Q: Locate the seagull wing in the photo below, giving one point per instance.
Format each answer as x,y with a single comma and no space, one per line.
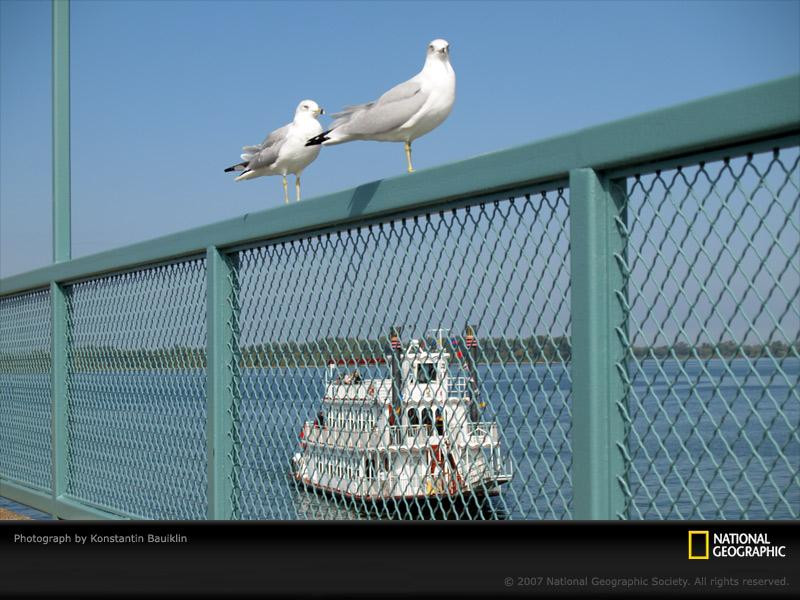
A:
401,91
266,152
264,158
389,112
276,136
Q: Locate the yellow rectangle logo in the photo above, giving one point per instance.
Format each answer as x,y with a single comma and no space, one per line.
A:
693,556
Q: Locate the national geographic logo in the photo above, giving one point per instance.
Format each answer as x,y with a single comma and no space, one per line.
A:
704,544
698,545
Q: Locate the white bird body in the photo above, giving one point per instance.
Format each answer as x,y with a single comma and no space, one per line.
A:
293,155
404,113
284,150
439,82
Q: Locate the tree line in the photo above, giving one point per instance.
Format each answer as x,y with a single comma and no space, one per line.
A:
532,349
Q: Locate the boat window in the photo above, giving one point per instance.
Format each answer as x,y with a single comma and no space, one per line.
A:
439,422
427,420
413,419
426,373
370,467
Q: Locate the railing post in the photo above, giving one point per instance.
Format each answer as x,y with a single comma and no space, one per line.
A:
58,387
222,383
62,243
598,249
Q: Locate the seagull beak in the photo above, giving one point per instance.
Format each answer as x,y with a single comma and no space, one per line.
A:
321,110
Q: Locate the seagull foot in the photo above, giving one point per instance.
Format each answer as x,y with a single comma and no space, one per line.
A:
408,157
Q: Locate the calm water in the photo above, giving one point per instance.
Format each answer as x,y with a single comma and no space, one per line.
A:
712,440
707,440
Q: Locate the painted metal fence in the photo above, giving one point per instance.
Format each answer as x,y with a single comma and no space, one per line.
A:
633,289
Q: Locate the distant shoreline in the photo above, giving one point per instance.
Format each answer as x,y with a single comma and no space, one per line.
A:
545,351
201,368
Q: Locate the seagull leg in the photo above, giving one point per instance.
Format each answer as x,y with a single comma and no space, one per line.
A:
408,157
297,187
285,190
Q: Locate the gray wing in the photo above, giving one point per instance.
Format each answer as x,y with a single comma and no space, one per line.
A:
401,91
267,151
264,158
273,138
276,136
389,112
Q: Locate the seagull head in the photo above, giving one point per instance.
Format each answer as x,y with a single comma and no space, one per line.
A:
439,49
309,108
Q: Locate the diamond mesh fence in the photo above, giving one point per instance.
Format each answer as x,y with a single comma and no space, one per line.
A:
419,367
714,346
136,392
329,426
25,389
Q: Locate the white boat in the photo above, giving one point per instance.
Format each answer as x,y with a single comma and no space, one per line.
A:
414,435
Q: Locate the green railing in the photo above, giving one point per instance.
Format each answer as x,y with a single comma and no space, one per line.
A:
633,288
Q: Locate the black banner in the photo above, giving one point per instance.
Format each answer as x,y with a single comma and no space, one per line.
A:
377,559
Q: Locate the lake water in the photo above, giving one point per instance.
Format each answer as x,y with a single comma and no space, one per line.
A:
712,439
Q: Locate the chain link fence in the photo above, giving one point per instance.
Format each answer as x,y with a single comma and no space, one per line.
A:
136,392
714,325
502,266
417,363
25,388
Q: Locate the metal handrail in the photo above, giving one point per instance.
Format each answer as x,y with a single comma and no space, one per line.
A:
765,116
770,109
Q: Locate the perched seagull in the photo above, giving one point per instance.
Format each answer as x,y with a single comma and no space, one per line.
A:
405,112
284,150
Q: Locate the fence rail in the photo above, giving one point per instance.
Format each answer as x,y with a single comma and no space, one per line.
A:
636,289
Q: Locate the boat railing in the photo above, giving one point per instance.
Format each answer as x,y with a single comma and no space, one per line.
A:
484,430
500,467
364,389
458,386
342,438
401,434
493,467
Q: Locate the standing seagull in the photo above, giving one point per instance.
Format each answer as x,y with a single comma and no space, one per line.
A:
284,150
405,112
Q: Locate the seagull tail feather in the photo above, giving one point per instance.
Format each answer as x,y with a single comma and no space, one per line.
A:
240,167
318,139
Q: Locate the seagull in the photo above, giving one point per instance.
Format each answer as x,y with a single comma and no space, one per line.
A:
284,150
404,113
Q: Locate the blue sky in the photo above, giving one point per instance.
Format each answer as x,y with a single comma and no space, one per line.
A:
165,93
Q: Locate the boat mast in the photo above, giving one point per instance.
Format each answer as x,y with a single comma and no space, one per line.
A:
439,338
472,369
397,357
